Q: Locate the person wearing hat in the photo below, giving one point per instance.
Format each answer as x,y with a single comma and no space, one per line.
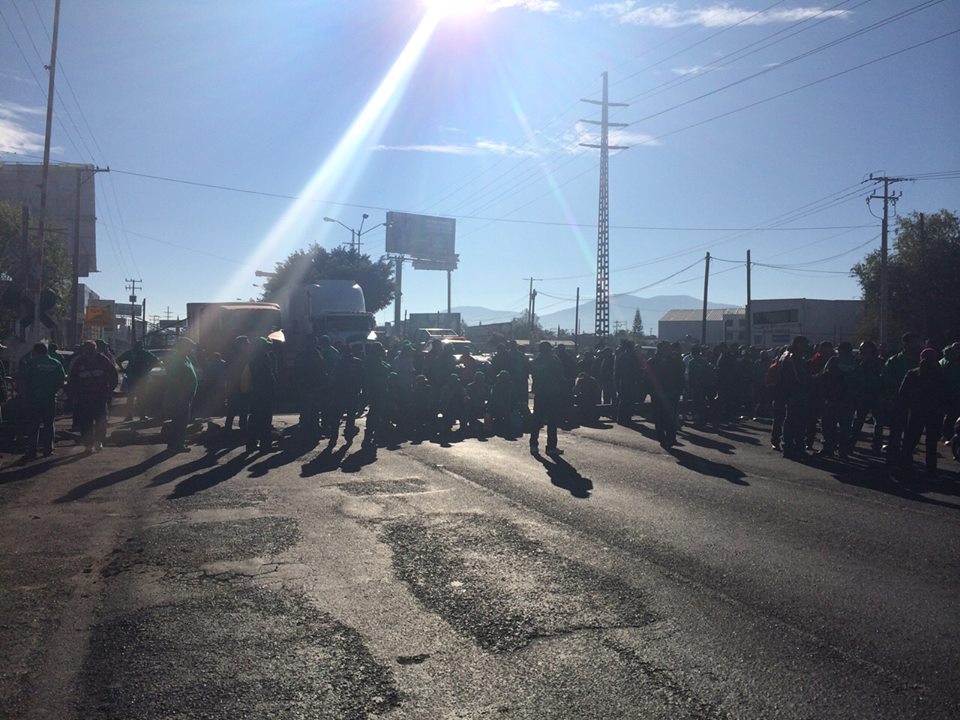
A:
41,378
548,398
923,394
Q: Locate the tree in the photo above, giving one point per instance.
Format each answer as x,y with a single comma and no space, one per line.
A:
57,270
316,263
923,293
637,324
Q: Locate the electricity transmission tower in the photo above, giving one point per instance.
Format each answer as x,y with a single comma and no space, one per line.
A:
602,318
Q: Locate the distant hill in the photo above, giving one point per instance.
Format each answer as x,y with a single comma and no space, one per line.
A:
475,315
622,308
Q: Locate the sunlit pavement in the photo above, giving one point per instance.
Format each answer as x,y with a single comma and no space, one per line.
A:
470,579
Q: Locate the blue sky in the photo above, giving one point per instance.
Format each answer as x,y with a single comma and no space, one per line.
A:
335,109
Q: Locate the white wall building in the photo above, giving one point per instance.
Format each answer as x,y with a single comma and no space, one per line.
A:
777,321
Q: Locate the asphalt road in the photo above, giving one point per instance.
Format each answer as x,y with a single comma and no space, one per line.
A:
472,580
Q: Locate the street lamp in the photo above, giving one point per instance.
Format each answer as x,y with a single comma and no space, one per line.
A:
355,235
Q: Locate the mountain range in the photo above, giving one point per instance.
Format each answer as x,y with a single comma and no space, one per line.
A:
622,309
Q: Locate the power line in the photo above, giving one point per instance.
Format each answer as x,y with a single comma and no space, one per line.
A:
807,85
796,58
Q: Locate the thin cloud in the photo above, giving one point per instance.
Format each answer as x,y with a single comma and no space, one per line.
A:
540,6
15,137
694,70
587,133
481,146
711,16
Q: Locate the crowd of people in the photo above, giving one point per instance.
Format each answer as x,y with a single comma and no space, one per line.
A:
818,397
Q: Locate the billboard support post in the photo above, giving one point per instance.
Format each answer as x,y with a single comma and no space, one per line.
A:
398,294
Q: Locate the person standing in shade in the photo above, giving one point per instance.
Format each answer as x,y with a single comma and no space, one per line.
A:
331,365
139,364
41,378
180,389
924,396
548,398
91,381
260,384
311,374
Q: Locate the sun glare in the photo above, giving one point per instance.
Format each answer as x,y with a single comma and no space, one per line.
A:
455,8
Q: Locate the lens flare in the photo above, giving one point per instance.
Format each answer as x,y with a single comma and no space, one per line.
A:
341,170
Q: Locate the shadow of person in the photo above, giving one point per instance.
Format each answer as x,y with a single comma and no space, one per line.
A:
206,480
738,437
24,470
112,478
709,467
325,461
705,442
563,475
366,455
208,459
291,449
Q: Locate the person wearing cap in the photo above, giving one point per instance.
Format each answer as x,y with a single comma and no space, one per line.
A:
548,398
923,395
90,383
179,391
41,379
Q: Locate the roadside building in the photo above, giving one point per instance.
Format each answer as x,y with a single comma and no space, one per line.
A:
776,321
686,326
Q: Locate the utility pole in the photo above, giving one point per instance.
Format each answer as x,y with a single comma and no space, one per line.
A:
887,197
706,287
530,302
923,266
74,335
749,318
533,308
576,323
52,69
132,289
602,316
168,313
397,295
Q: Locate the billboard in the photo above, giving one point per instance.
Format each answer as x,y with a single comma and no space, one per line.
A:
100,315
426,237
20,185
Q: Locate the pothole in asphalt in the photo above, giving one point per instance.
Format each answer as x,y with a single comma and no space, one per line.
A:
398,486
225,498
491,582
187,546
246,653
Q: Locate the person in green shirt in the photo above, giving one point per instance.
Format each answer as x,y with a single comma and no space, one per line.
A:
41,379
180,387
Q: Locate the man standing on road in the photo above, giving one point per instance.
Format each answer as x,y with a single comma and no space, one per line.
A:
91,381
139,364
311,374
894,371
331,364
548,398
794,386
180,389
41,378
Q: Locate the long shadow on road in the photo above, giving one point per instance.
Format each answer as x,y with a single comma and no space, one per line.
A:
709,467
112,478
563,475
873,474
206,480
